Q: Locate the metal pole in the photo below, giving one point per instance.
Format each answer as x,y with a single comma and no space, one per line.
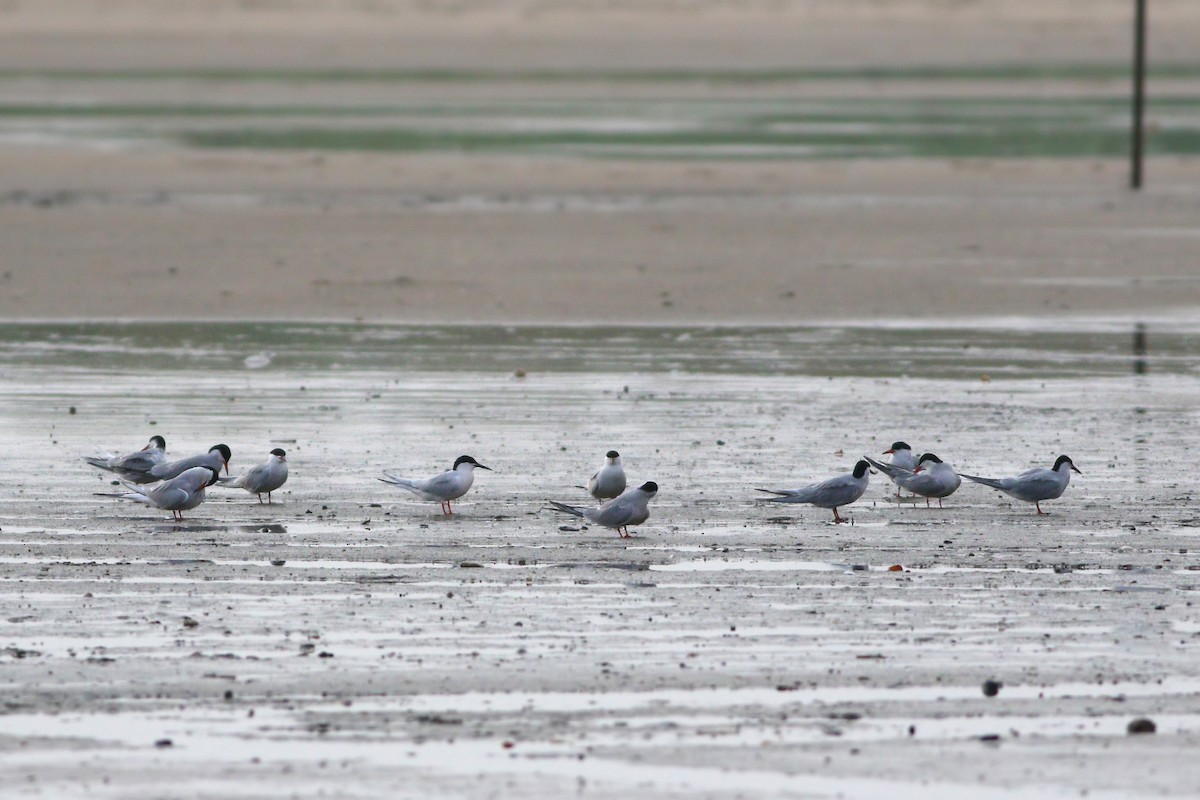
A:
1139,92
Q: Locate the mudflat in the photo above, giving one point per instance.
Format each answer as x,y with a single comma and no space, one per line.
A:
591,162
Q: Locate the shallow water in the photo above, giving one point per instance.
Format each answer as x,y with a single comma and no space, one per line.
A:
370,647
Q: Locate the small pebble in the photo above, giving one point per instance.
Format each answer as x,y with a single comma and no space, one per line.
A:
1141,725
991,688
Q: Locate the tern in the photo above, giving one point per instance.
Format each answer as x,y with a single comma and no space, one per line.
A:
609,480
153,454
216,458
630,508
449,485
181,493
933,478
902,457
1035,485
838,491
262,478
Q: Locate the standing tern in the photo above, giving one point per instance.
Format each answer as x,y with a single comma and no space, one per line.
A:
933,478
838,491
153,454
1035,485
903,457
609,480
630,508
443,488
262,478
216,458
182,493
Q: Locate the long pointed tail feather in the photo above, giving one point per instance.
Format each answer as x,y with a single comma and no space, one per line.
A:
566,509
891,470
396,480
992,482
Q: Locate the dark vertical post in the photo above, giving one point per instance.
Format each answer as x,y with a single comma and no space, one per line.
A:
1139,92
1139,348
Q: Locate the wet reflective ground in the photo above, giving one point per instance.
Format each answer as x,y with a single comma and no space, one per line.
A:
350,642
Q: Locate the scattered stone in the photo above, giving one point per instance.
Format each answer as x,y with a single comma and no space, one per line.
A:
470,565
991,687
278,562
188,622
438,719
1141,725
20,652
71,410
161,743
895,568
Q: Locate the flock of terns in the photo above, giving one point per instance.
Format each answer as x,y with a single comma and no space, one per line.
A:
179,486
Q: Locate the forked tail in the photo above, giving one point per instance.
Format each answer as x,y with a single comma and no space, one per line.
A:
566,509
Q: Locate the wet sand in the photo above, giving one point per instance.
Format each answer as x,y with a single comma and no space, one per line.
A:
167,235
100,222
350,642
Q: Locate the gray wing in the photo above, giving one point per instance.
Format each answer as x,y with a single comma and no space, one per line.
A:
839,491
893,471
260,478
403,483
927,484
168,496
1036,485
173,469
1003,484
805,494
607,483
625,510
443,486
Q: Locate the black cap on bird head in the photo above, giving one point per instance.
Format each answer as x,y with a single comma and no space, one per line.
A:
279,451
861,468
158,441
929,457
612,454
897,446
1065,460
649,487
225,452
468,460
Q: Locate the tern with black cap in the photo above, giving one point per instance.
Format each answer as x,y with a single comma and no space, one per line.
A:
153,454
442,488
262,478
181,493
630,508
609,480
838,491
1035,485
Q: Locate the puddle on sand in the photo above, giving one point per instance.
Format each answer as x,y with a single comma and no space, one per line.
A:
676,641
